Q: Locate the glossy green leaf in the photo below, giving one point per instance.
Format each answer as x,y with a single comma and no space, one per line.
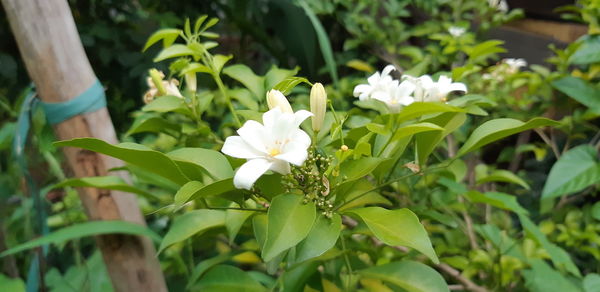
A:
577,169
223,278
167,35
234,219
587,53
496,199
214,162
591,283
246,76
355,169
290,221
219,61
82,230
580,90
426,142
165,104
277,75
497,129
408,275
196,68
192,223
259,225
194,190
103,182
286,85
397,140
323,236
153,125
176,50
542,278
397,227
419,109
501,175
132,153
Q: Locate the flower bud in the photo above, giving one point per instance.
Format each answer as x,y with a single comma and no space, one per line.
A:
276,99
157,80
190,81
318,105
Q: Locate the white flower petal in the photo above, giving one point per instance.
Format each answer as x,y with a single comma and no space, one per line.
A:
301,137
362,89
235,146
300,116
280,166
249,172
387,70
253,133
457,87
374,79
294,153
271,116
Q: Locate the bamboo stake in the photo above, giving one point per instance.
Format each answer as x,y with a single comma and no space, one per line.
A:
55,59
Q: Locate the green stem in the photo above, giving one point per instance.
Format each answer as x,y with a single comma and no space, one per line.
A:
223,90
347,262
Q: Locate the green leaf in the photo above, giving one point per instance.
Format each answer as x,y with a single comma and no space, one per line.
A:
496,199
166,104
259,225
485,50
587,53
196,68
277,75
204,265
596,211
426,142
11,285
419,109
408,275
560,258
580,90
355,169
215,163
194,190
176,50
501,175
324,43
82,230
577,169
244,75
286,85
135,154
321,238
168,35
245,97
104,182
591,283
542,278
223,278
154,125
397,227
234,219
219,61
191,223
497,129
290,221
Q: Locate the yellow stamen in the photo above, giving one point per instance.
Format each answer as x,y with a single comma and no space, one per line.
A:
274,152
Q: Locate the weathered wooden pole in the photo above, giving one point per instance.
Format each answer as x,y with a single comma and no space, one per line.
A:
55,59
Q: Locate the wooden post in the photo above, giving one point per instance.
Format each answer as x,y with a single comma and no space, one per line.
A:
55,59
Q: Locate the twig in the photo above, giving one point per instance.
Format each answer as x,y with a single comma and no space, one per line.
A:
522,139
548,142
468,284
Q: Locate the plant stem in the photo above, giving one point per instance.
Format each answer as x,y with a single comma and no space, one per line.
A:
347,262
223,90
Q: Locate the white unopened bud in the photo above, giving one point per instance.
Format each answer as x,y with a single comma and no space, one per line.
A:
276,99
318,105
190,81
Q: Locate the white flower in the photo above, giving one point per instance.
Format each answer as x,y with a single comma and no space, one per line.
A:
400,96
276,99
380,85
272,145
456,31
514,64
170,87
499,4
427,90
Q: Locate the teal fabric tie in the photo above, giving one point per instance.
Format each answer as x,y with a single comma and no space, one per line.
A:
90,100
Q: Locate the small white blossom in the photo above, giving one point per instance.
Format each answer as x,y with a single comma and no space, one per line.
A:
400,96
171,87
429,91
380,85
499,4
456,31
272,145
514,65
